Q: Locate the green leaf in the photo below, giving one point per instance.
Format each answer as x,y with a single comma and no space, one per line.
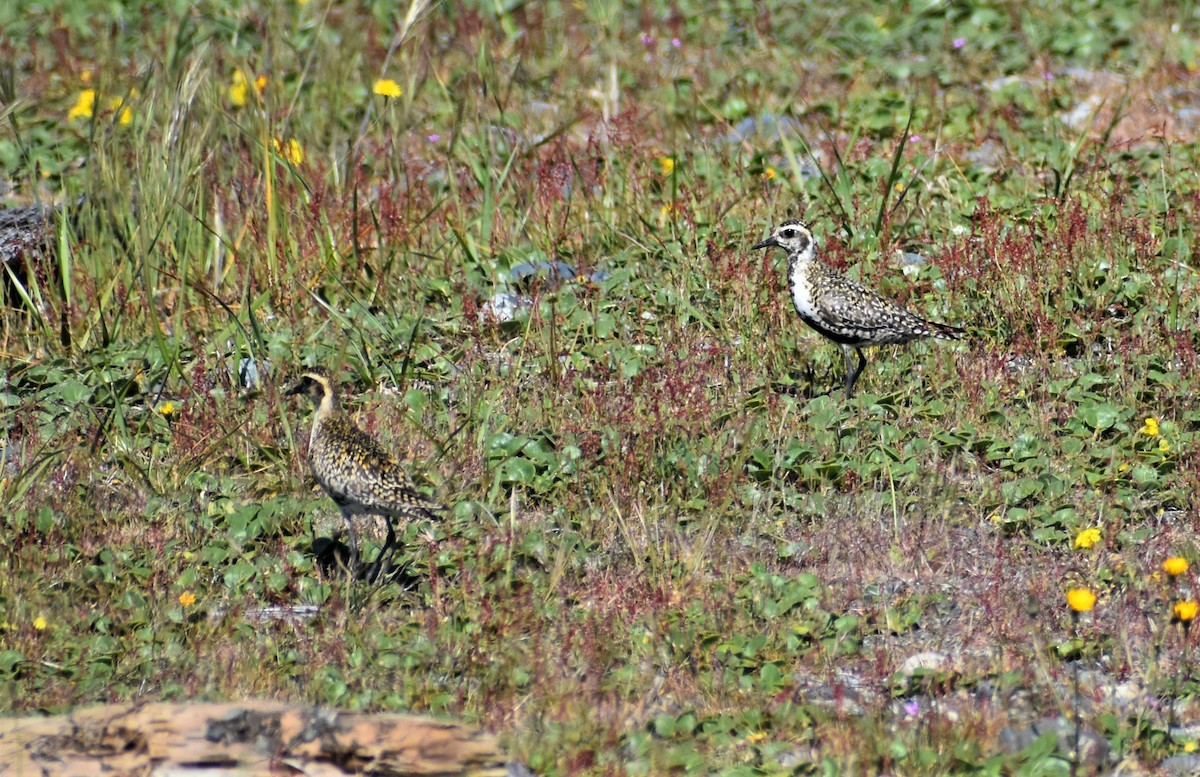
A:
1100,416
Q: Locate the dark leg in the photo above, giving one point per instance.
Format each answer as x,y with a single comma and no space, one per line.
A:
355,559
852,372
385,554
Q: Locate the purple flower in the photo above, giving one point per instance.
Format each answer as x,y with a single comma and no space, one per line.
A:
912,707
960,42
647,38
434,138
914,138
1048,76
676,42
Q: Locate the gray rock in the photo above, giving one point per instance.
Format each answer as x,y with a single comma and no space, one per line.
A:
504,307
1083,113
555,273
764,127
801,756
997,84
1181,765
847,695
1188,115
929,661
1094,750
910,263
986,156
250,372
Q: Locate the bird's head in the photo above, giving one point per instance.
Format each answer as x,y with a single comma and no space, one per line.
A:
793,236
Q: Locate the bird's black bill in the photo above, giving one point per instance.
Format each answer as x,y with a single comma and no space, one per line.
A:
768,243
294,390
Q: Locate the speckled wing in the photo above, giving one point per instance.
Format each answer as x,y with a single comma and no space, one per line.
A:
372,477
864,314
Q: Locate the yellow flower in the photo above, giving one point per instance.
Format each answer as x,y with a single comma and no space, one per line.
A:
666,164
1150,427
756,737
1087,538
167,409
239,89
1190,747
770,173
1175,566
291,150
84,105
85,76
1081,599
39,623
1163,445
260,85
1185,612
187,598
386,87
124,112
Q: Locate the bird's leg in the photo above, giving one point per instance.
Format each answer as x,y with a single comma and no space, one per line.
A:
385,553
352,534
852,372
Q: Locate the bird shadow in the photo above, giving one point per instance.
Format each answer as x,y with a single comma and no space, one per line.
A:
806,384
334,558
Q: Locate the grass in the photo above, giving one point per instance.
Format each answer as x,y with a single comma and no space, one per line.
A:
671,546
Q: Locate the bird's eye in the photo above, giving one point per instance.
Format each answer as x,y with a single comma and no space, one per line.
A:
789,232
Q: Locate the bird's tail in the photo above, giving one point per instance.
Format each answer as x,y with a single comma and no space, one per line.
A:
945,331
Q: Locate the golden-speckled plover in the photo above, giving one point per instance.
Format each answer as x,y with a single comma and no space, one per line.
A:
356,471
840,309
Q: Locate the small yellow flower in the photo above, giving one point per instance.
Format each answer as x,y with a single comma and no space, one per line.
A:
187,599
386,87
1087,538
898,186
1175,566
239,89
1190,747
770,173
167,409
1081,599
124,112
84,105
260,85
85,76
1150,427
1185,612
1163,445
291,150
295,152
666,164
39,623
756,737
